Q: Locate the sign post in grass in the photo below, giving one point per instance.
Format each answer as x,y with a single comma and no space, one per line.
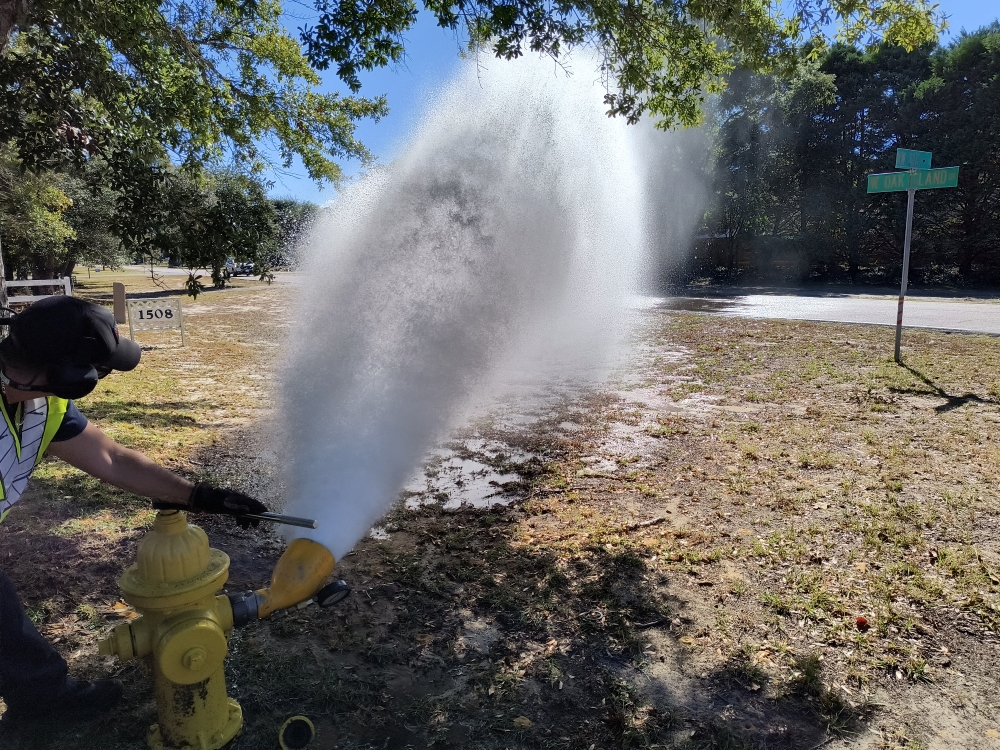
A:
918,176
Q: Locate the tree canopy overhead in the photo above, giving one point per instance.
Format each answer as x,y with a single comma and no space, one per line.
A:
141,106
792,158
658,56
145,81
125,112
141,82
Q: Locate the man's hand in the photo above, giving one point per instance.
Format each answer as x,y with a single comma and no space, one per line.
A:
208,499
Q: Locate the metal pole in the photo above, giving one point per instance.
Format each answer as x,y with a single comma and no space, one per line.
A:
180,314
906,270
305,523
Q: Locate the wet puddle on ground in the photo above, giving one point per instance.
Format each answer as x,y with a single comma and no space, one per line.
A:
474,472
482,472
699,304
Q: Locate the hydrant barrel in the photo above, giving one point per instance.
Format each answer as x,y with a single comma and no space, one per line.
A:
182,632
183,625
198,715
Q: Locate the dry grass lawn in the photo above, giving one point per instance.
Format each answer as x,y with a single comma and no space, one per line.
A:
764,534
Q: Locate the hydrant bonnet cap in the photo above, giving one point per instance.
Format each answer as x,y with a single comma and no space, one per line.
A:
178,551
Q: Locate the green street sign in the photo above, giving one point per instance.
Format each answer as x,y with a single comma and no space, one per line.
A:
909,159
928,179
889,182
917,179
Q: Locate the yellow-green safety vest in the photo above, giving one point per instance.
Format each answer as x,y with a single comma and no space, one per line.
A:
22,450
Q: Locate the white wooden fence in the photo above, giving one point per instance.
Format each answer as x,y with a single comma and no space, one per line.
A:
64,282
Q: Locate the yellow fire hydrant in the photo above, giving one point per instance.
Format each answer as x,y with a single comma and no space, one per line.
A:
184,625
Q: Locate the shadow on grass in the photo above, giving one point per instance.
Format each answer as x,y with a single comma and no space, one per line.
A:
77,495
163,414
460,634
951,401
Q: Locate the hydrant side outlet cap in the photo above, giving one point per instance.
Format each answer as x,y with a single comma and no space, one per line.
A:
192,649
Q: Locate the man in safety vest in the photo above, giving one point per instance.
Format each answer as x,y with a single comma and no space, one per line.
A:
56,351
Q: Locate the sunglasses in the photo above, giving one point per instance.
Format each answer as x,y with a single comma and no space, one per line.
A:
32,386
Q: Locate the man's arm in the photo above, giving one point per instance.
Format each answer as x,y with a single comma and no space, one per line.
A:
95,453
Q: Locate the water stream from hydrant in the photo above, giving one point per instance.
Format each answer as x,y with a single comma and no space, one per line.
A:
506,240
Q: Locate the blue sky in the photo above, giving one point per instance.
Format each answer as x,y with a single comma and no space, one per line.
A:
433,56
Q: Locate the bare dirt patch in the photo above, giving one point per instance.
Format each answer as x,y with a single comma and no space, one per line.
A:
763,534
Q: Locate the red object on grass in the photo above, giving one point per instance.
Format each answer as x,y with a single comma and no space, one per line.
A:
862,624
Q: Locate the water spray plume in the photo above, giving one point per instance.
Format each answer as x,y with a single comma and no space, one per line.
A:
513,220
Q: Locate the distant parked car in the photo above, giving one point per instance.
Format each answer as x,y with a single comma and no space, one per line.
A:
233,268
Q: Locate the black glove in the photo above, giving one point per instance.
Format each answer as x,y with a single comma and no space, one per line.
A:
208,499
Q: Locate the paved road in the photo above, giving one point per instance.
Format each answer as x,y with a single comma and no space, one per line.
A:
980,316
950,314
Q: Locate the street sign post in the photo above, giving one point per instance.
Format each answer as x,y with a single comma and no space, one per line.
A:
919,176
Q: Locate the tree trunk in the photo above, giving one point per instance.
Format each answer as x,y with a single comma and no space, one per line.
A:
44,268
3,280
12,13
